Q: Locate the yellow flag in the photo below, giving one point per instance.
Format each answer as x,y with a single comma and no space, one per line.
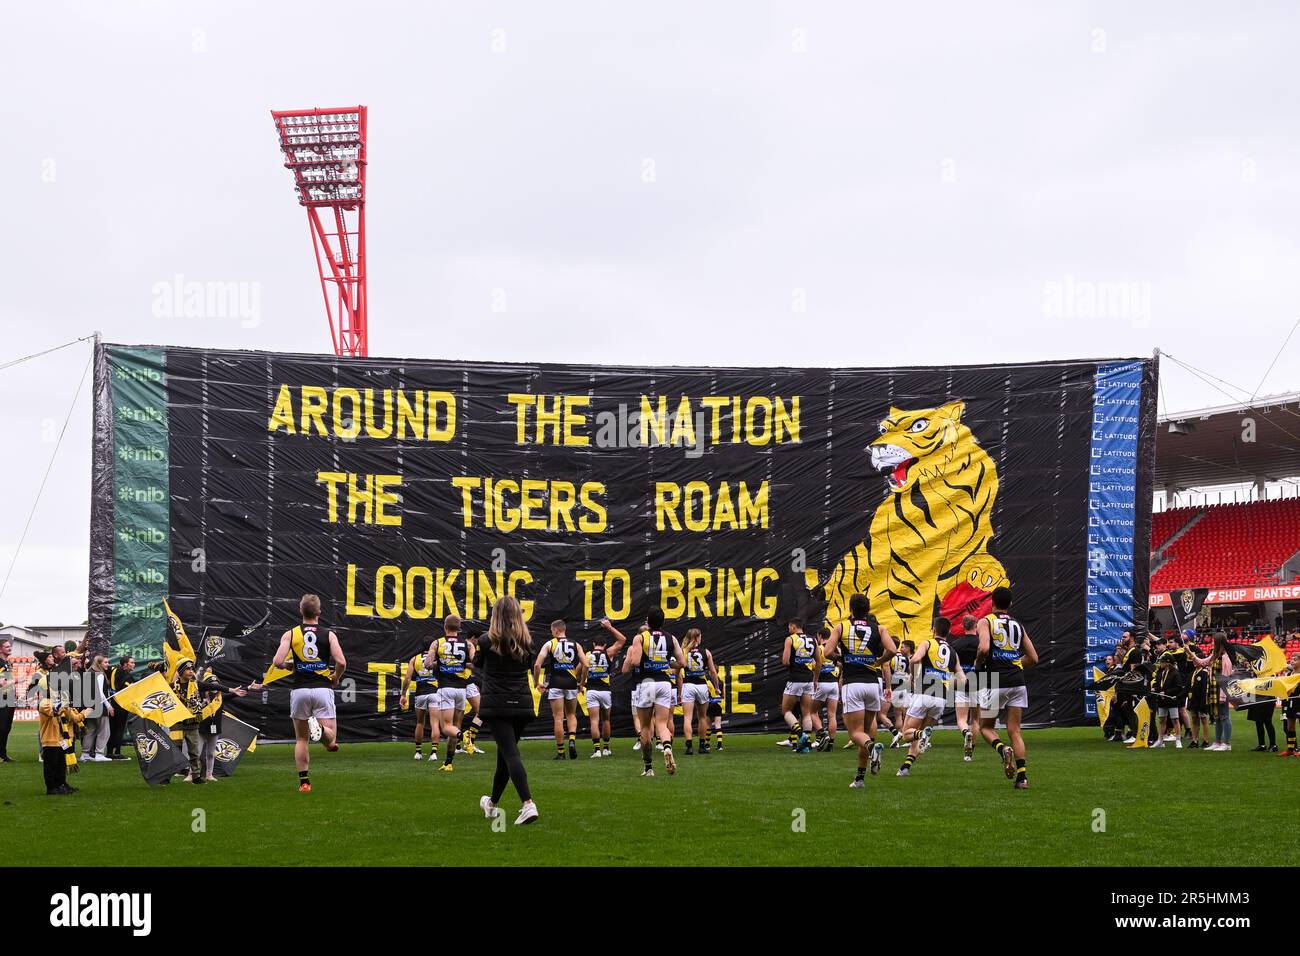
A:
1280,686
1274,661
537,694
154,699
178,646
274,673
1097,674
1143,712
1105,699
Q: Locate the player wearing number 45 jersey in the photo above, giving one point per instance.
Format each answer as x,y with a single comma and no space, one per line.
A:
452,653
565,664
311,702
1004,653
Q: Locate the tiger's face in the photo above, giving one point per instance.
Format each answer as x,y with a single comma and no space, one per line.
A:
916,444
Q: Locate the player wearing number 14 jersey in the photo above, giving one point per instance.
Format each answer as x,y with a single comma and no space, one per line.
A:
1004,653
313,648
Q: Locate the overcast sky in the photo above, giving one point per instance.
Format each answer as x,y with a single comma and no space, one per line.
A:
660,183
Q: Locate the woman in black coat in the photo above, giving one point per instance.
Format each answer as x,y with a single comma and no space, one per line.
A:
504,659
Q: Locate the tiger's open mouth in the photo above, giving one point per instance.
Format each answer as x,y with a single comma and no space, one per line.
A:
895,462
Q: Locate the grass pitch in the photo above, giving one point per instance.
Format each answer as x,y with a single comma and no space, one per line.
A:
754,804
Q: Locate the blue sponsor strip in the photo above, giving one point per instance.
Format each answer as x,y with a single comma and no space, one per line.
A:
1112,510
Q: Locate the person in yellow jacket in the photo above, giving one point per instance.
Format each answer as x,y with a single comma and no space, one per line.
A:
58,721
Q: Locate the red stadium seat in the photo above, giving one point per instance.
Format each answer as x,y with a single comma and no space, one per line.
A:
1231,546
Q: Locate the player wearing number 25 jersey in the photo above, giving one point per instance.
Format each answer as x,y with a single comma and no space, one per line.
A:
453,654
1005,651
318,666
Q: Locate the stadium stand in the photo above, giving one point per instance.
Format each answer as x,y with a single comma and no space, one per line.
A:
1231,545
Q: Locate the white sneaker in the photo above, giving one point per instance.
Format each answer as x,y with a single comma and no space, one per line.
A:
1178,743
1169,738
485,804
925,740
784,742
596,754
605,752
419,755
86,758
1130,740
1225,746
527,814
1158,745
100,758
637,745
313,729
1213,747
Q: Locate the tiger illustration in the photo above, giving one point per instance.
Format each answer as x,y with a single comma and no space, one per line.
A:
932,531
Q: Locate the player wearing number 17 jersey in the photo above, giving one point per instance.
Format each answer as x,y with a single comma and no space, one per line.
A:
1005,651
311,702
865,646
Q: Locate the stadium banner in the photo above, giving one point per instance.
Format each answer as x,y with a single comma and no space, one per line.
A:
1186,606
403,490
1242,595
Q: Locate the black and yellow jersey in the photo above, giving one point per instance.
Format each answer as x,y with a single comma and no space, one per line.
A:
936,668
830,670
966,648
656,656
862,649
598,670
695,667
309,649
1005,637
562,664
715,694
424,675
803,657
453,661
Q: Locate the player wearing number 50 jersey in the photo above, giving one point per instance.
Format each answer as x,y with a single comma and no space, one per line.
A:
318,666
865,647
600,700
1005,651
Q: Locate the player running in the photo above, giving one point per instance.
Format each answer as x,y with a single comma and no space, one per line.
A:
472,699
311,702
693,689
600,700
453,654
422,672
934,668
966,647
865,646
1005,651
898,678
652,660
714,713
565,663
802,658
827,692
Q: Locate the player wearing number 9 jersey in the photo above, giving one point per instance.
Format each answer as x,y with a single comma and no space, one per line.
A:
1005,651
934,670
318,666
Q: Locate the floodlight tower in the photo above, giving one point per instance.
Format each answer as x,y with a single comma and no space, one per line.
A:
326,151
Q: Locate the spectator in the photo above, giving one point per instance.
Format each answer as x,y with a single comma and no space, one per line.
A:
8,699
192,692
1166,693
57,723
1218,665
210,723
99,712
1260,713
119,678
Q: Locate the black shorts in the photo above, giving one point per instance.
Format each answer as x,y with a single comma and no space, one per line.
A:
715,710
1291,708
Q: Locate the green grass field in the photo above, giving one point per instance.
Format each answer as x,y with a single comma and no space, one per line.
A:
373,804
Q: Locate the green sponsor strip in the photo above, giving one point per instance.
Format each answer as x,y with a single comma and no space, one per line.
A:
141,500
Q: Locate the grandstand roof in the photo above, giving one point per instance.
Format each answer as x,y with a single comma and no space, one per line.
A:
1208,446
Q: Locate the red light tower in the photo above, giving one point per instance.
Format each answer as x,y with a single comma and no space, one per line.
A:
326,151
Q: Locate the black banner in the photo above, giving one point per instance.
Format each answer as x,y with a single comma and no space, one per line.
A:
1186,605
736,499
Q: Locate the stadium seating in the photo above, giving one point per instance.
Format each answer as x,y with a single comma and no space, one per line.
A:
1230,546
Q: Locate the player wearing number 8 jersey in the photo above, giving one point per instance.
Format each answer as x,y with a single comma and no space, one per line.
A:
317,670
1005,651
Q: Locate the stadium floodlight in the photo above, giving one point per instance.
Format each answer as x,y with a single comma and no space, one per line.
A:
325,149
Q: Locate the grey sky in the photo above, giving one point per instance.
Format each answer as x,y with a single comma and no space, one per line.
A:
943,182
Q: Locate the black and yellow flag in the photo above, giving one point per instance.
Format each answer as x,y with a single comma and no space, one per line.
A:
154,699
236,739
1105,698
1263,659
1143,713
157,754
1279,686
178,646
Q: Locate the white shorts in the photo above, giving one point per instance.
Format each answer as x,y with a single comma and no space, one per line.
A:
697,694
900,699
826,691
993,701
560,693
471,691
798,688
965,699
860,697
926,707
427,701
654,693
451,698
599,698
315,702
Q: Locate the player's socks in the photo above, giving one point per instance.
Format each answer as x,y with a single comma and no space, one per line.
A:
474,726
908,761
645,756
452,744
1021,774
717,740
304,779
690,746
862,773
573,746
1290,741
998,745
